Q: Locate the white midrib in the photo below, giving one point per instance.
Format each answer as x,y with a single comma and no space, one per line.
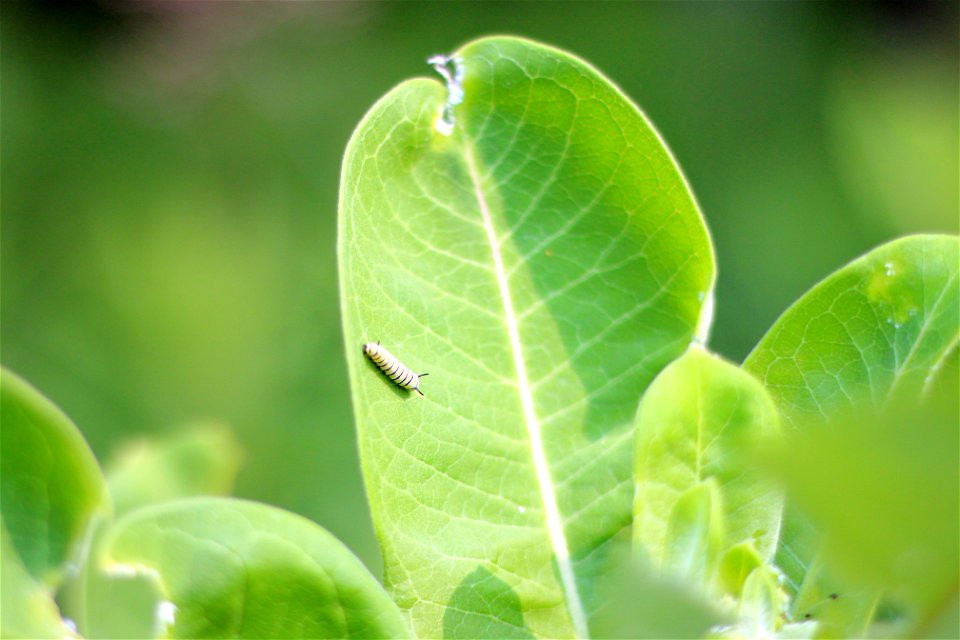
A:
558,539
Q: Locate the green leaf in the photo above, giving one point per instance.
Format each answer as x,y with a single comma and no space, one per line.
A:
200,460
877,329
896,523
640,603
542,262
797,631
737,563
27,609
695,533
761,604
695,421
51,485
118,606
231,568
839,608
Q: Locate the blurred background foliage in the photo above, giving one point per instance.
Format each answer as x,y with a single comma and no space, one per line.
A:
170,175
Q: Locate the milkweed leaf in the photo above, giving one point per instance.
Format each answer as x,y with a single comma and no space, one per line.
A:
523,235
694,424
873,334
51,484
231,568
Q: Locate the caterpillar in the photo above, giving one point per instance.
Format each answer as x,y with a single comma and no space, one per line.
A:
394,369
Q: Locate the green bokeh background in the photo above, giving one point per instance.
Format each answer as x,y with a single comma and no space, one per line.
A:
170,174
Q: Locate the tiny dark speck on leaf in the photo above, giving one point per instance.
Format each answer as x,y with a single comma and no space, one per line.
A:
807,616
834,596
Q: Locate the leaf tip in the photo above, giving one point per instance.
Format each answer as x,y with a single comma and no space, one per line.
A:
451,69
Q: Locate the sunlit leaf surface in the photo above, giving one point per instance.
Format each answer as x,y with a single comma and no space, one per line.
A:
878,326
542,263
230,568
695,421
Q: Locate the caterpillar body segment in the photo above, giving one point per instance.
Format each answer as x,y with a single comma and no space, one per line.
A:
394,369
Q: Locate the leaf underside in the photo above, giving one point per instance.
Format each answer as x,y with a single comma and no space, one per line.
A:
543,263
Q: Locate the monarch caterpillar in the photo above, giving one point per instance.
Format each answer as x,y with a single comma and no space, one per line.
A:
394,369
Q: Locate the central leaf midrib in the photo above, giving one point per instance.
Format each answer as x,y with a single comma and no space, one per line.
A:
554,522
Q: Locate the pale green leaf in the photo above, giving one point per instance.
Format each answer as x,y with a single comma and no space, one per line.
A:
694,423
119,606
797,631
735,565
200,460
876,329
840,609
27,609
694,533
230,568
50,483
896,524
542,262
641,603
761,603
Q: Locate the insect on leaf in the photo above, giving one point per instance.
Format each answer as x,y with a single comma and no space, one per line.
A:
522,234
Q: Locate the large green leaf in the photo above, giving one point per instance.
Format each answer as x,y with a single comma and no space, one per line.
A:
236,569
51,485
877,329
533,246
693,425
